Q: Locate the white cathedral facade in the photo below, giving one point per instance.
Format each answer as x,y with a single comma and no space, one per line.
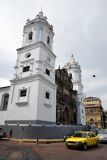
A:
31,98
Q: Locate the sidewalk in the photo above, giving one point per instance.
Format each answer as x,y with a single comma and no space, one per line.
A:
34,140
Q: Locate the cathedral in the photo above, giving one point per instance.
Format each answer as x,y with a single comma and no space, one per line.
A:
31,97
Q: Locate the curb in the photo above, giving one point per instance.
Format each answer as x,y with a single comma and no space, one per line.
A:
35,140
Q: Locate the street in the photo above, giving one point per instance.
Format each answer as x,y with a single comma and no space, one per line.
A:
51,151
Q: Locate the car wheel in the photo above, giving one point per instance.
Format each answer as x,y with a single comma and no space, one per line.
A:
85,146
97,143
69,147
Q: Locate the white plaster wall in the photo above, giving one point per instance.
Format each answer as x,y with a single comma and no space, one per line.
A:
37,61
80,105
46,107
31,61
3,115
23,111
37,107
50,65
83,117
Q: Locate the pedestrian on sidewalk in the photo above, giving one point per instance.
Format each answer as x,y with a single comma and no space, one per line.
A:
10,134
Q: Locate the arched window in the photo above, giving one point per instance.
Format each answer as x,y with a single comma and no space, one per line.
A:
48,39
30,35
5,99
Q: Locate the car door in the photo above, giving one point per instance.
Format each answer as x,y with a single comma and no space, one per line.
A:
93,139
89,139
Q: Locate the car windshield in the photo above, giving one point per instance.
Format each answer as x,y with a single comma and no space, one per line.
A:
82,135
104,131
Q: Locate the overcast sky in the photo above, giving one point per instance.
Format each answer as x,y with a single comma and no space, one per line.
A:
80,28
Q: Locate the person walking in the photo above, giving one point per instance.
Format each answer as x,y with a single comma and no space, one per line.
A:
10,134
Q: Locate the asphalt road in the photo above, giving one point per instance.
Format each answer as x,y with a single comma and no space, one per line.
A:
51,151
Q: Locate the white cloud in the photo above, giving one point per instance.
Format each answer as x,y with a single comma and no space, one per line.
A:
91,83
95,86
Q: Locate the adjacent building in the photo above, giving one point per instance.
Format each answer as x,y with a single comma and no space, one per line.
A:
94,112
74,68
105,115
66,110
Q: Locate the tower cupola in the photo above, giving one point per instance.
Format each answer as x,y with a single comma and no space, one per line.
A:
37,30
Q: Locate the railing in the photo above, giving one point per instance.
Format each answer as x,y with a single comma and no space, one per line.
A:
93,112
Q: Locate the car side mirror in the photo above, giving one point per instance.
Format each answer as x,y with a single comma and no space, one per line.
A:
88,136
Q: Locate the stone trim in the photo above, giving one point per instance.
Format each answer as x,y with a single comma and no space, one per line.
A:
28,122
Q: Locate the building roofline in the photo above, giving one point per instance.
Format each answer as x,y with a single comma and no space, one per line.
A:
92,97
5,87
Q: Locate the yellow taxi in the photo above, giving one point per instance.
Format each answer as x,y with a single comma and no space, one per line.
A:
83,140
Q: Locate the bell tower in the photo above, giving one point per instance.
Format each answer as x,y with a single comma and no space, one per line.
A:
74,68
33,91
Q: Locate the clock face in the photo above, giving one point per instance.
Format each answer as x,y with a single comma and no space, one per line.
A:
48,58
